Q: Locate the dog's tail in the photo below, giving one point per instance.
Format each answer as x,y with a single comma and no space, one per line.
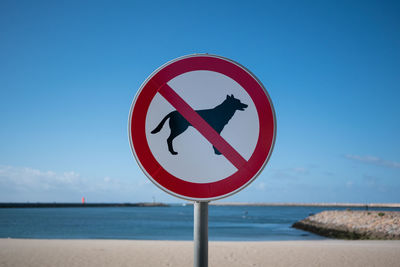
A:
161,124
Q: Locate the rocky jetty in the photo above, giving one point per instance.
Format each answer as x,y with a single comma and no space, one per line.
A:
348,224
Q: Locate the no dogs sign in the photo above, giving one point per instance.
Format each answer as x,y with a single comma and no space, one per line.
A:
202,127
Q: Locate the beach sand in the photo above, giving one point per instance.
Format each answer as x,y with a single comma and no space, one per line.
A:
85,253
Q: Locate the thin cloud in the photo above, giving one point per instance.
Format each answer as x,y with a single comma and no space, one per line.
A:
22,178
261,186
374,160
36,185
289,173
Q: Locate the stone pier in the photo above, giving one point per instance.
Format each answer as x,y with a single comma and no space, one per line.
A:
348,224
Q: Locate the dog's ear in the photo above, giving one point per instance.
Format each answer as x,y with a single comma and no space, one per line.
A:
227,96
232,96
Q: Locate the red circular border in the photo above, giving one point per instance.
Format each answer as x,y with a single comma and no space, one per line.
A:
200,191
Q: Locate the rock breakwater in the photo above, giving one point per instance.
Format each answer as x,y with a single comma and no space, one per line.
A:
349,224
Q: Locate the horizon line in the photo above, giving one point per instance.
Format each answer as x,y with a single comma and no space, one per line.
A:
216,203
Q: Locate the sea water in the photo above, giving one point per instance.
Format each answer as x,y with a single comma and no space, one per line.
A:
175,222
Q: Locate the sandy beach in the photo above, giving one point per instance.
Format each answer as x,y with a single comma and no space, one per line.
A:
85,253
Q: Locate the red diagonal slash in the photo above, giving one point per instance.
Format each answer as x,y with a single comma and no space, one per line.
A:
202,126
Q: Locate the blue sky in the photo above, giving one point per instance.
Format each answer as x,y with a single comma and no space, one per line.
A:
69,71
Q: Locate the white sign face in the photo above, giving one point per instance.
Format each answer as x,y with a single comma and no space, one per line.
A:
202,127
196,161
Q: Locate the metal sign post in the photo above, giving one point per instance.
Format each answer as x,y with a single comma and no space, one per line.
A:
200,233
233,134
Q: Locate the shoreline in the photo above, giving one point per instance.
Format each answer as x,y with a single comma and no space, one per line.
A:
99,253
80,205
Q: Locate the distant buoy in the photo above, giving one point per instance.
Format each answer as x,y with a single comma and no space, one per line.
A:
83,200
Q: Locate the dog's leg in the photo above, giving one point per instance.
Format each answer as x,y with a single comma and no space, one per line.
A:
216,151
170,147
178,125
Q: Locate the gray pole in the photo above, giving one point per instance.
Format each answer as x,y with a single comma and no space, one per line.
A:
200,234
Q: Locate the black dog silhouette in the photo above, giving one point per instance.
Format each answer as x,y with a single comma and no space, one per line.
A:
216,117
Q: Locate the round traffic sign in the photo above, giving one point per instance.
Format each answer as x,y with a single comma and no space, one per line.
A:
202,127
